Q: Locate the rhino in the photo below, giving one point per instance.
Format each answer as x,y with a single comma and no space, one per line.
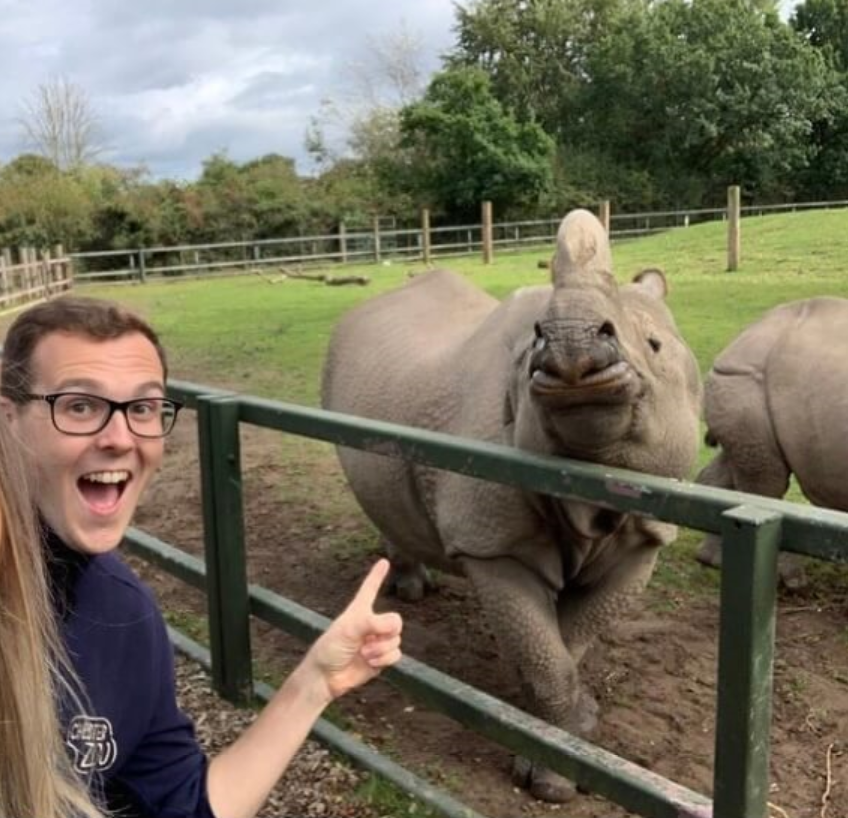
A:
585,369
776,403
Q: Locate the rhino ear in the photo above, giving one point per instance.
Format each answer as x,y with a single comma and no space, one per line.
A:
582,250
652,282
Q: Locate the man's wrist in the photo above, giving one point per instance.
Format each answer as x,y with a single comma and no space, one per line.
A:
308,684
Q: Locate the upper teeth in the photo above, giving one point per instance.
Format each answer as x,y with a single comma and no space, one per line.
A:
107,476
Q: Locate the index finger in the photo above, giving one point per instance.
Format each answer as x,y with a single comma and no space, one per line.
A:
366,596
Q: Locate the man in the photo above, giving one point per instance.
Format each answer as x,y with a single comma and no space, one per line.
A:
83,386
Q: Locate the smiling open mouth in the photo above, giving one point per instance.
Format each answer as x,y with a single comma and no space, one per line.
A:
102,490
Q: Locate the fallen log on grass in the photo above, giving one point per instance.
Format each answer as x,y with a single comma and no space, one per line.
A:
337,281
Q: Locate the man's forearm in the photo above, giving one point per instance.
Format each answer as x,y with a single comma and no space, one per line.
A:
242,776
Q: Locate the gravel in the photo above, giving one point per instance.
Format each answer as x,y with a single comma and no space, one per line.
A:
315,784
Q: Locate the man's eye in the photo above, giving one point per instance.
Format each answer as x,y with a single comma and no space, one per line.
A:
80,406
144,409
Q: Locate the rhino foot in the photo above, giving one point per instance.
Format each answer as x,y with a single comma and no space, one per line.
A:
790,567
792,574
542,783
410,583
709,553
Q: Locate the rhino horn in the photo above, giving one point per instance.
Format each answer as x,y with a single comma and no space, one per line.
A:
582,249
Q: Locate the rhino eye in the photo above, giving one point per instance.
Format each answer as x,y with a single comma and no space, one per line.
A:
655,344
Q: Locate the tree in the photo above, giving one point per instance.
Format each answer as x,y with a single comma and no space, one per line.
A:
467,148
824,24
534,53
706,93
388,75
41,206
60,123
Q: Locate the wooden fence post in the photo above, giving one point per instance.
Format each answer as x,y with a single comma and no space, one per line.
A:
425,234
62,273
343,241
734,242
376,239
604,214
5,262
26,259
488,247
44,270
142,270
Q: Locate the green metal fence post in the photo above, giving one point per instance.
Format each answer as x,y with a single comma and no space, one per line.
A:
223,536
750,544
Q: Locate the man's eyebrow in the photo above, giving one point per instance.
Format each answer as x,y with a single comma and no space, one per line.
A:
98,387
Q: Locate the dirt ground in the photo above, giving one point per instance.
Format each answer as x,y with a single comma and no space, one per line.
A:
654,675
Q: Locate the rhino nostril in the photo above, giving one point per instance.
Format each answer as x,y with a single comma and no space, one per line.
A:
607,330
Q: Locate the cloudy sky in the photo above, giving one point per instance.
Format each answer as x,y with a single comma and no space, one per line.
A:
176,80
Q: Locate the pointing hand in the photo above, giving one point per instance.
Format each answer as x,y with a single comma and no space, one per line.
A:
359,643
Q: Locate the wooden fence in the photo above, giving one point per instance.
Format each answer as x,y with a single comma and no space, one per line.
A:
28,275
374,244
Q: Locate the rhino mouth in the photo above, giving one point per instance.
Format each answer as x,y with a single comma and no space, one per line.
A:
616,383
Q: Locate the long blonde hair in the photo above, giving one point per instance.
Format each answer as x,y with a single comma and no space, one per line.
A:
36,776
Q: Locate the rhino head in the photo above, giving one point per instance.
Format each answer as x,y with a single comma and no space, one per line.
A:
604,375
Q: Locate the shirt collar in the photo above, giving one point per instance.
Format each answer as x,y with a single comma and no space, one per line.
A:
64,568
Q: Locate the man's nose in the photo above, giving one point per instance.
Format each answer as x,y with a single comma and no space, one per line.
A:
116,433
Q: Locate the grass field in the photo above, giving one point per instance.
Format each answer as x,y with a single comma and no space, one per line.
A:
270,339
246,334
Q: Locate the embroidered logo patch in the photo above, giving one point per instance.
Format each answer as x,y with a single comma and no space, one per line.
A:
93,743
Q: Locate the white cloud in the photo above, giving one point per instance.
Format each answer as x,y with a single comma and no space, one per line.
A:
173,82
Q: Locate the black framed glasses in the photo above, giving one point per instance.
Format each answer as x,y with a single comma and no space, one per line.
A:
77,413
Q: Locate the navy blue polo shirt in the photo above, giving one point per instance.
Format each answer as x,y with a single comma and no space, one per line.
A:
126,736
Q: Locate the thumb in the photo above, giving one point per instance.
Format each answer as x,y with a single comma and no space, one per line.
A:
366,596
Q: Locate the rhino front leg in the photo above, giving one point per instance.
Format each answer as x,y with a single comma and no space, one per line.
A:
588,612
521,610
757,469
716,473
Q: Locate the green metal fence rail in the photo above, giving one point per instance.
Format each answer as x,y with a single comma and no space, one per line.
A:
753,529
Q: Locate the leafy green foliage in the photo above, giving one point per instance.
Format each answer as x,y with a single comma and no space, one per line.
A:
706,92
824,25
467,148
40,205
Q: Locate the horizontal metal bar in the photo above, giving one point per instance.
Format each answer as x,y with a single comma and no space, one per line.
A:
188,392
348,746
189,569
600,771
814,531
808,530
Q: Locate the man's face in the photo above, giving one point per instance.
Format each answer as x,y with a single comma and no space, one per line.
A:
88,487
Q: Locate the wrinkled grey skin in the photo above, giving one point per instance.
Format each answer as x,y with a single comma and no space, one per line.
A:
776,401
604,376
